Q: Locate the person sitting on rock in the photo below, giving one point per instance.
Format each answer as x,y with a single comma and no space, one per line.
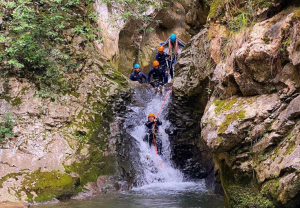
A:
173,51
137,75
162,58
153,128
158,77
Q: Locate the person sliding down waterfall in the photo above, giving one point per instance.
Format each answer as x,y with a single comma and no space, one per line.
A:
162,58
153,132
158,77
173,44
137,75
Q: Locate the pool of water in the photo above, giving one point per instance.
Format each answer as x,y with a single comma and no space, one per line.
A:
165,195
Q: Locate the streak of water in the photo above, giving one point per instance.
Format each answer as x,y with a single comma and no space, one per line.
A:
153,168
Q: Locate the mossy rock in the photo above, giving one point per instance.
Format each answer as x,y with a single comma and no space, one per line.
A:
48,185
223,105
229,119
247,196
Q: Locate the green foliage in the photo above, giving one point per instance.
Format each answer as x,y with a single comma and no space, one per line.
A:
35,43
6,127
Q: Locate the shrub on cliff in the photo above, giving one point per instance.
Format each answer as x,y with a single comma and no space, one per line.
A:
33,42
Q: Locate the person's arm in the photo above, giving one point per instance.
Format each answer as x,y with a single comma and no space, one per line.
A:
144,76
180,43
170,48
164,43
149,75
131,77
156,57
158,122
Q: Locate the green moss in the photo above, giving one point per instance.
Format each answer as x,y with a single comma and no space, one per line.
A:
75,94
247,196
48,185
216,8
240,192
290,148
296,15
10,175
263,3
80,114
16,101
230,118
271,188
92,167
223,105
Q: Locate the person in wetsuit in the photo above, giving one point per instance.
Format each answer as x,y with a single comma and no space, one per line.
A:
162,58
158,77
137,75
152,132
173,44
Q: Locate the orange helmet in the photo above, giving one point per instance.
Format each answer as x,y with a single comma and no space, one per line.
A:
160,48
155,63
151,114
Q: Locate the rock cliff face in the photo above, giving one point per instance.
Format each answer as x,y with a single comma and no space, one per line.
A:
61,144
251,118
142,48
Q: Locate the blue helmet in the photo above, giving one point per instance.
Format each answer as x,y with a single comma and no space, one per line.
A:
136,66
173,37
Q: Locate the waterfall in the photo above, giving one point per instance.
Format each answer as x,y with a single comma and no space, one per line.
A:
150,168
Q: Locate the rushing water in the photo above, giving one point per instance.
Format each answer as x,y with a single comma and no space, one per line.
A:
158,183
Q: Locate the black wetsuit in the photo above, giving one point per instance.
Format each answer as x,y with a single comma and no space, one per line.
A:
149,137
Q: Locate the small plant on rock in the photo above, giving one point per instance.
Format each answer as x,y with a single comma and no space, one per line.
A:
6,127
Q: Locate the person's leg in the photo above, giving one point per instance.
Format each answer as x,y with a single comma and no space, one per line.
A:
152,84
150,140
159,146
145,139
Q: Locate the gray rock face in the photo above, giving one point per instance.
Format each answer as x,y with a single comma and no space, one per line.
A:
189,98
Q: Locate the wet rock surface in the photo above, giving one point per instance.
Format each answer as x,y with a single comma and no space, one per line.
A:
189,97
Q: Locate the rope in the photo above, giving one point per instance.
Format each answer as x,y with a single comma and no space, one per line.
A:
153,130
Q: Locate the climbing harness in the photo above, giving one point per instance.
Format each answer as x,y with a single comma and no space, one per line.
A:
153,130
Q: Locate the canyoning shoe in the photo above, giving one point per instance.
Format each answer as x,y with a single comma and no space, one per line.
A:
172,80
156,89
160,88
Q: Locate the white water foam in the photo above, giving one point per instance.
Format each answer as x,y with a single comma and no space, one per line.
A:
155,169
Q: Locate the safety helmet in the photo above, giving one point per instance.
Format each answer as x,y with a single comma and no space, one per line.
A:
136,66
155,63
151,114
173,37
160,48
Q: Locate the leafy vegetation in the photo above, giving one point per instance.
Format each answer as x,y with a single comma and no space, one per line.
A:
34,44
6,127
